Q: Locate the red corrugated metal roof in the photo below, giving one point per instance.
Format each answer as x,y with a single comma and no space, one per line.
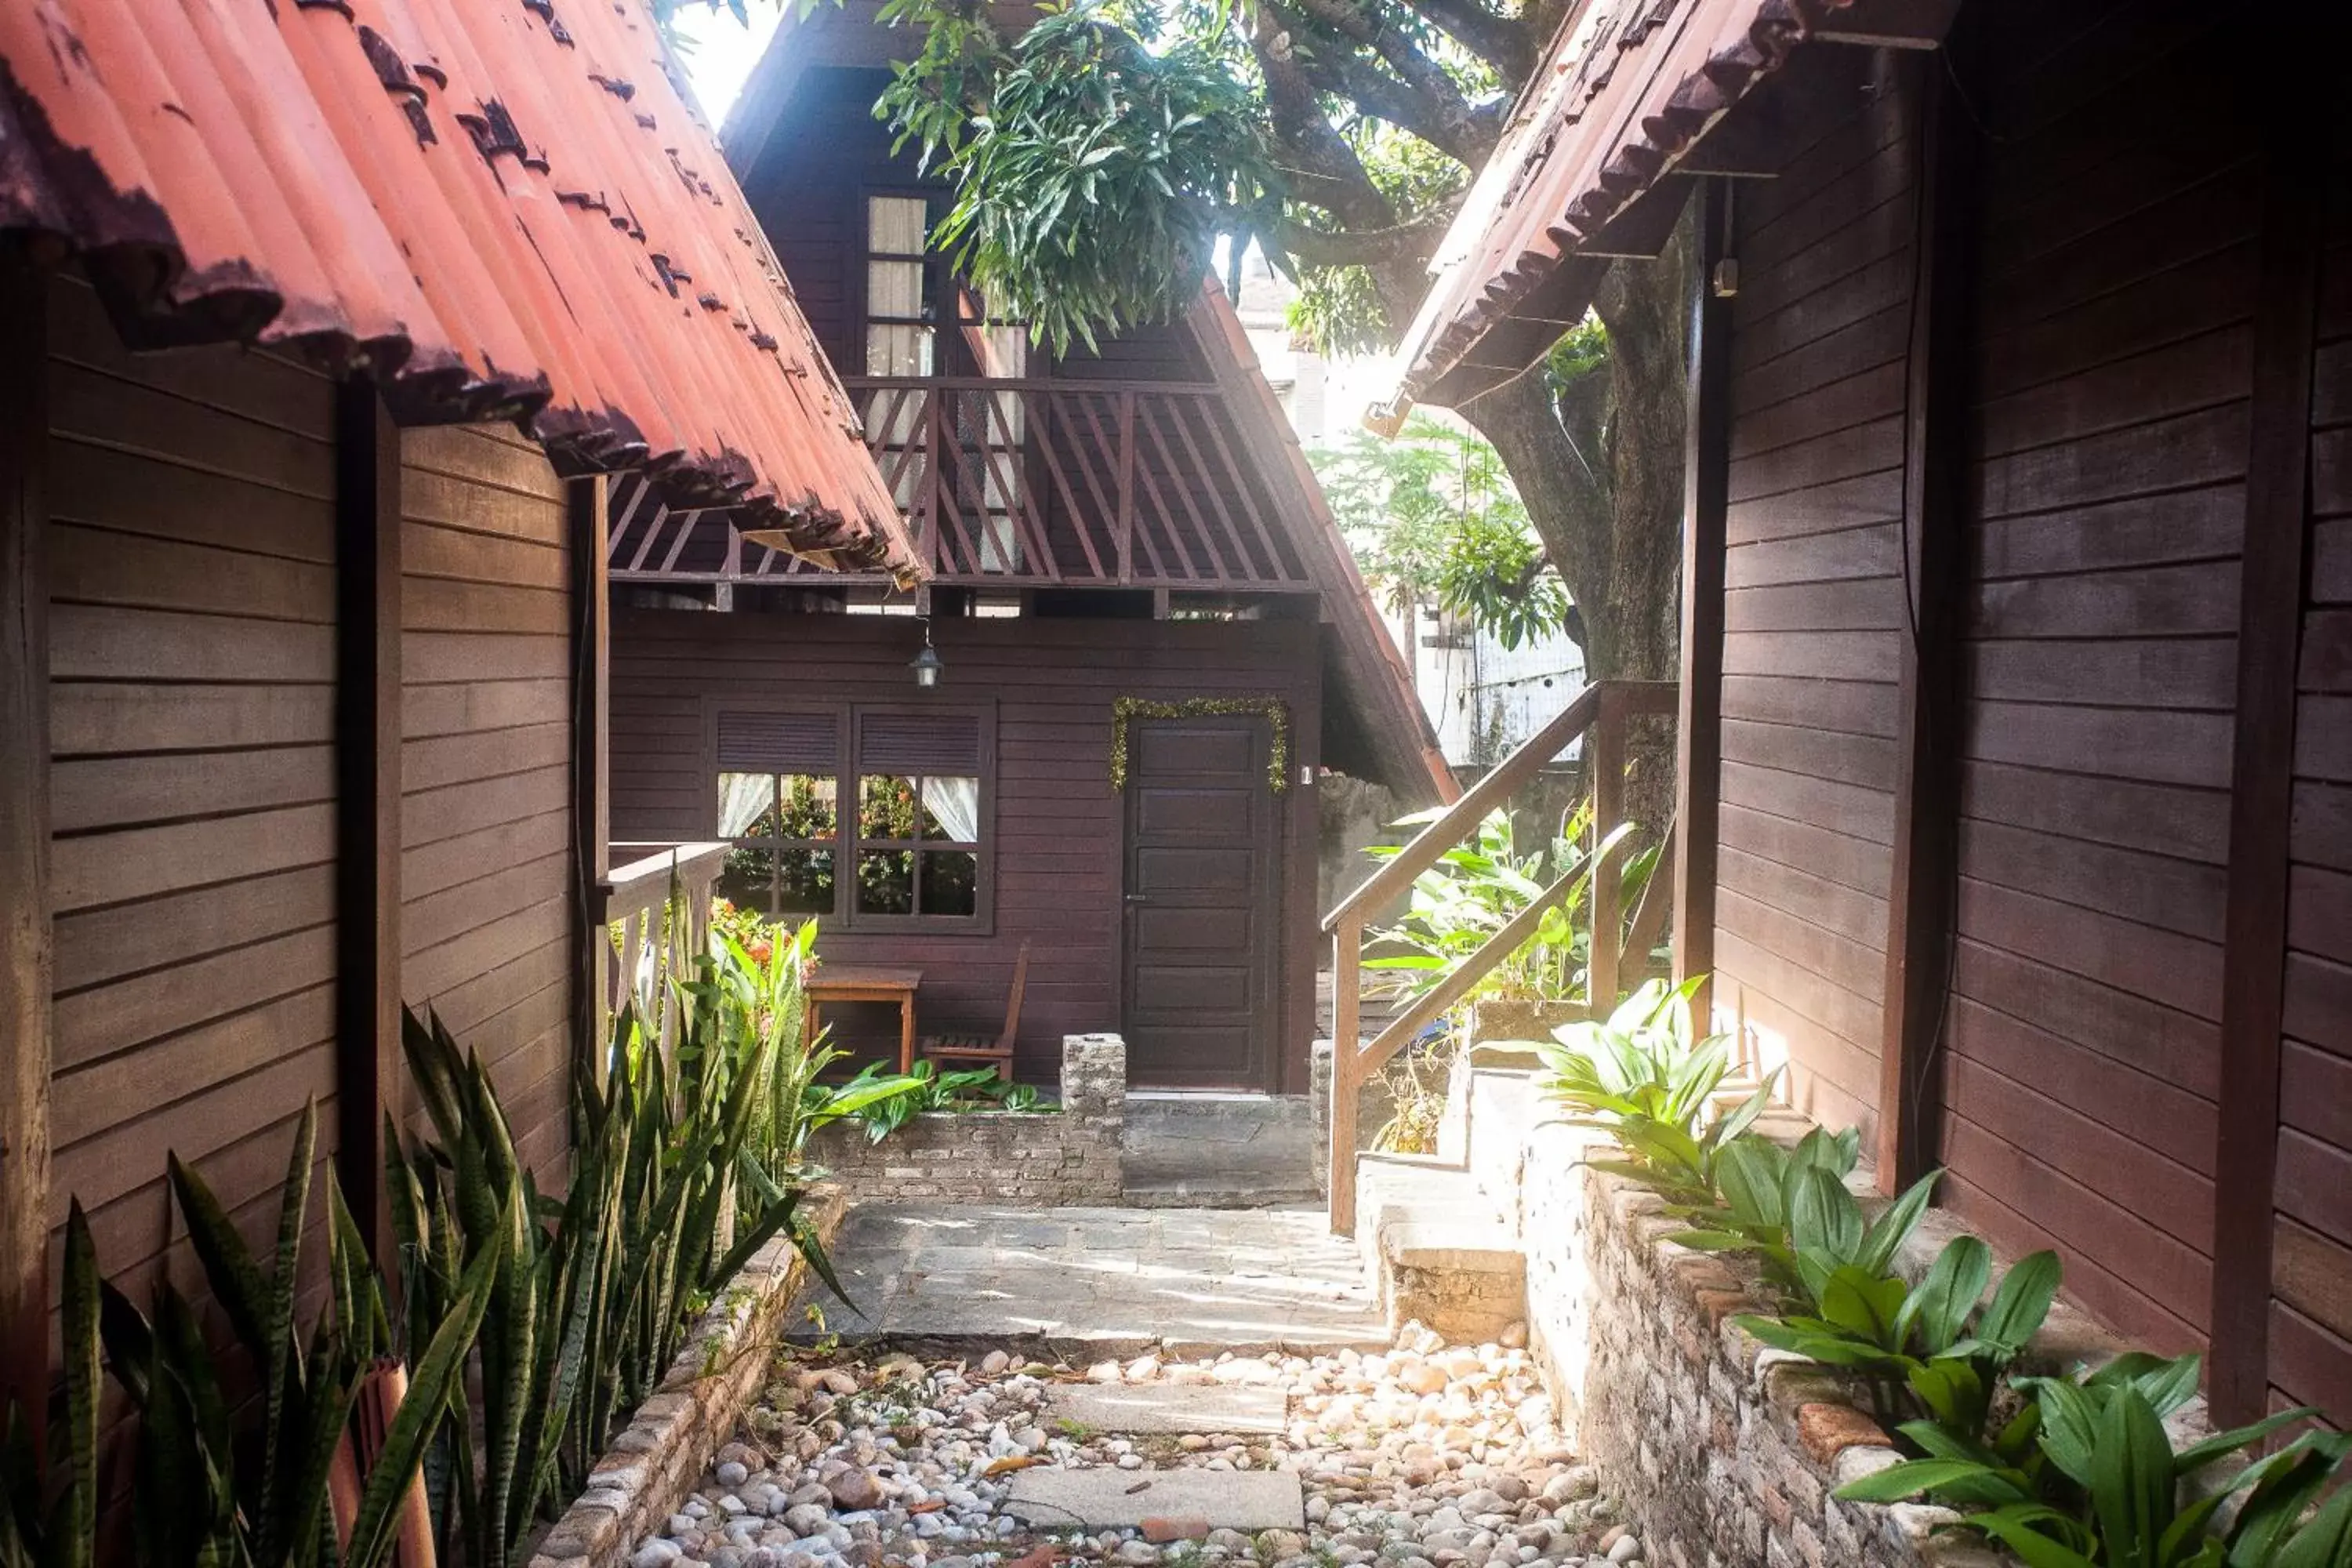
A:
1628,86
499,208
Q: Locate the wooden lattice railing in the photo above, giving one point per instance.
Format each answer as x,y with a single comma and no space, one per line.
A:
1599,714
1014,483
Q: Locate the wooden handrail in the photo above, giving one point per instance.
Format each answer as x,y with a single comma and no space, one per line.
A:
636,898
1602,710
1463,817
1432,1003
643,883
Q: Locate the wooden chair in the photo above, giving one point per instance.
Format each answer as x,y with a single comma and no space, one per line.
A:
958,1050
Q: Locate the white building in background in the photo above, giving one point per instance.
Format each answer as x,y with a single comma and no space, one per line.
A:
1482,699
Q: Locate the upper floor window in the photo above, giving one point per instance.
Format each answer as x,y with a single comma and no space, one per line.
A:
901,315
890,830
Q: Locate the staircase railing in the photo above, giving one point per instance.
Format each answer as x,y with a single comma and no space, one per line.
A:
1599,713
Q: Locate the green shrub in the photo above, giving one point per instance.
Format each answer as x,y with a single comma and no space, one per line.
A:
1639,1077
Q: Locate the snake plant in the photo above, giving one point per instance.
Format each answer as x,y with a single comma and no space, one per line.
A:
218,1485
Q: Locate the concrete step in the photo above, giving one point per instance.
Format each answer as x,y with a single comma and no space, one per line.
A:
1218,1151
1439,1249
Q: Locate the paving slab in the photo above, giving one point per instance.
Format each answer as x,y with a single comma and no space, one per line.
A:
1169,1407
1097,1282
1109,1498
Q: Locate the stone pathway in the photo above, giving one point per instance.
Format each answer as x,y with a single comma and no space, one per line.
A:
1097,1282
1420,1456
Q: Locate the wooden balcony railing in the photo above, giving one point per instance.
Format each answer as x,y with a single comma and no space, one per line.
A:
654,939
1025,483
1598,713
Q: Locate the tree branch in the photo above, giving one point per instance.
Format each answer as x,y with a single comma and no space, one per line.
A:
1344,74
1309,144
1503,42
1468,134
1377,248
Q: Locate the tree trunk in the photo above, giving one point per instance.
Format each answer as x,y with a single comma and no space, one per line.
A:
1599,464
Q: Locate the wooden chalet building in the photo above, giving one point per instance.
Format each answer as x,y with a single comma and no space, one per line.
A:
320,327
2017,708
1126,550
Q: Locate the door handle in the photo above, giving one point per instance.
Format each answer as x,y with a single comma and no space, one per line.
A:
1136,898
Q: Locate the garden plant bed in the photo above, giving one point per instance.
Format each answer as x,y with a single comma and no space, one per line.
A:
1425,1456
651,1466
1028,1158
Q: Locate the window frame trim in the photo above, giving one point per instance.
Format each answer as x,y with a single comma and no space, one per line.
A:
848,843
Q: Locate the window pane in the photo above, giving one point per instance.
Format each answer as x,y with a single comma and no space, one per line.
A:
746,805
885,807
898,351
810,808
748,878
895,224
805,882
952,809
885,882
894,288
950,882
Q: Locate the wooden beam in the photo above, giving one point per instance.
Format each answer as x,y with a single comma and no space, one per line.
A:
1924,861
2273,582
26,944
368,1068
592,759
1641,228
1891,24
1706,491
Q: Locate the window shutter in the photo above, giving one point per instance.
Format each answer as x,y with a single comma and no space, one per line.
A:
779,743
934,743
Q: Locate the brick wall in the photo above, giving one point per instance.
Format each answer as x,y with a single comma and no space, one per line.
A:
1026,1159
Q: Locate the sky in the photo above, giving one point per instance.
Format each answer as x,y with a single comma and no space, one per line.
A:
722,52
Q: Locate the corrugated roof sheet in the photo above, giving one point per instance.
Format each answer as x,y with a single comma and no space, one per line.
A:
1626,90
497,208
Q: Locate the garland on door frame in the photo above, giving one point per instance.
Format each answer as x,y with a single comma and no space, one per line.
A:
1276,710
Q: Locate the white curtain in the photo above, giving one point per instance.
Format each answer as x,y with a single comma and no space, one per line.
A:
743,798
955,805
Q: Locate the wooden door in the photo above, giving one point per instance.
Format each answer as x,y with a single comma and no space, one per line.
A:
1203,902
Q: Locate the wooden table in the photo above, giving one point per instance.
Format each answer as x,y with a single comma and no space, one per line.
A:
866,982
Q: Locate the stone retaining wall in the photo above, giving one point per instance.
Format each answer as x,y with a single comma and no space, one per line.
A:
1025,1159
653,1464
1725,1450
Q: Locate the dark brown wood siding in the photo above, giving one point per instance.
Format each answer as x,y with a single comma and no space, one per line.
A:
2111,381
1812,604
192,590
1057,824
487,864
2311,1309
193,661
2109,359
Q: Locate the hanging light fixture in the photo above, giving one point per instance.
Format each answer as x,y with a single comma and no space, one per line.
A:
926,664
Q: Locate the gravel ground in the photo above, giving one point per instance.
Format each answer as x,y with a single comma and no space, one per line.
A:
1427,1455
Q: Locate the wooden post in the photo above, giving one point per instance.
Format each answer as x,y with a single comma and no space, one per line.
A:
592,767
367,793
1125,526
25,949
2273,584
1347,1046
1698,726
1924,860
1606,760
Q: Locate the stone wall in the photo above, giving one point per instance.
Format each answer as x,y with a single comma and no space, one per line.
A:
655,1461
1026,1159
1726,1452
